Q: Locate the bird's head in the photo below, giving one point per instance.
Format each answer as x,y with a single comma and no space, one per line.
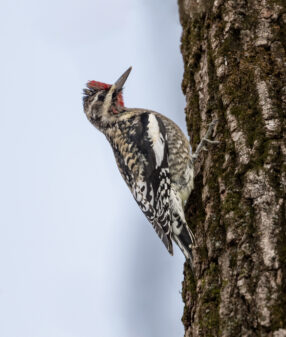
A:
103,102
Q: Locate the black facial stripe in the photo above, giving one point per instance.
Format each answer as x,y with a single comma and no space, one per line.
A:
96,96
101,98
116,93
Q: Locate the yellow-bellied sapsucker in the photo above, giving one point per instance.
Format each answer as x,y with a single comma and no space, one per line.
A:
153,156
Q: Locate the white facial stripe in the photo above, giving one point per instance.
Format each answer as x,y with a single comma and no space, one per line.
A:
107,102
95,98
156,137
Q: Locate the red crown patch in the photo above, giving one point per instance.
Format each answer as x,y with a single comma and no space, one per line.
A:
98,85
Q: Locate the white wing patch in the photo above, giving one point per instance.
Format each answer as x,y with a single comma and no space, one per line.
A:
156,138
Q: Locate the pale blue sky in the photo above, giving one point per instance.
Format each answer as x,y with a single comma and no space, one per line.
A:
77,256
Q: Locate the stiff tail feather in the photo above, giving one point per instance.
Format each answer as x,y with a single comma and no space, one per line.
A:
185,240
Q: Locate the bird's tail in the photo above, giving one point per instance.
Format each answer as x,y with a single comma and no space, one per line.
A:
181,233
185,240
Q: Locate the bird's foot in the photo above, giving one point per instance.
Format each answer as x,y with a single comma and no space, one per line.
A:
205,140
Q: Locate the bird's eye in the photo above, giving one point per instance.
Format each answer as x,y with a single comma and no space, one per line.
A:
100,98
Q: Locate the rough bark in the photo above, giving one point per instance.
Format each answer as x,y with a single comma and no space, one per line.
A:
235,70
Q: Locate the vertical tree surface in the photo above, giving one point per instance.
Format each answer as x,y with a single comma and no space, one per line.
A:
235,71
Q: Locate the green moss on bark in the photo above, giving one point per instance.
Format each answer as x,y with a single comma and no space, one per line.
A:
208,313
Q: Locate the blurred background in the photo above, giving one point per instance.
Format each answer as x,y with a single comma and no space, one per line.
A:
77,256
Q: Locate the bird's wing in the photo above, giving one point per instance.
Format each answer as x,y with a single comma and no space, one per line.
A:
151,187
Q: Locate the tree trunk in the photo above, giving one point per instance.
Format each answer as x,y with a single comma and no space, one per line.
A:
235,71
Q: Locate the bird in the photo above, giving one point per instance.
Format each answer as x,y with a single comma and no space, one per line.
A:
154,158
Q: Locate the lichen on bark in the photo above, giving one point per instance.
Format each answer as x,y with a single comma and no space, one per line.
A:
235,71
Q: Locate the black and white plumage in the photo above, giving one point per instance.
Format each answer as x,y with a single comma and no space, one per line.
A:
151,187
153,156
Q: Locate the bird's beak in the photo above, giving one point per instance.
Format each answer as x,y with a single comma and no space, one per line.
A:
122,79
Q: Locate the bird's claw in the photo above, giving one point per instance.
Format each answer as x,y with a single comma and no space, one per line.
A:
205,140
